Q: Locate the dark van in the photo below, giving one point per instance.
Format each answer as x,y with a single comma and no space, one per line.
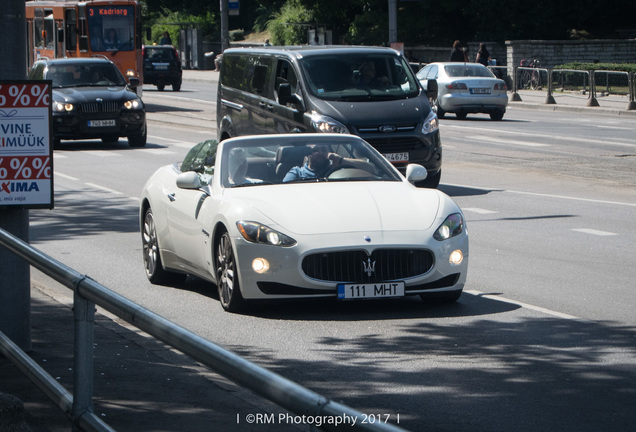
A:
366,91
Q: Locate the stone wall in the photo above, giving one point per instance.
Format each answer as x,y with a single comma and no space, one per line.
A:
549,53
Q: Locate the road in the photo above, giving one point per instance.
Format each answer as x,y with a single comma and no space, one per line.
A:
543,339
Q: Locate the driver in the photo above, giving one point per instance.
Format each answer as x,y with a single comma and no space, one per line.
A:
319,161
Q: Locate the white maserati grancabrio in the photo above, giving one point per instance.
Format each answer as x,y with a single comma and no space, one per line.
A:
301,216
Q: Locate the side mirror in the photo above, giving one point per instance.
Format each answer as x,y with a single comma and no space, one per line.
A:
188,180
134,82
415,173
431,87
285,95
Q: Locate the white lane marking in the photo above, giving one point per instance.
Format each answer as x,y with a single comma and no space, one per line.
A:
478,210
68,177
543,195
101,153
505,141
594,232
526,305
158,151
103,188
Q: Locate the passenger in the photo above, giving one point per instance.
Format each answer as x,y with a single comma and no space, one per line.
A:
368,76
111,41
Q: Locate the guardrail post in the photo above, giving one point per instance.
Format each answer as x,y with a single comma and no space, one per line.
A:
515,96
84,316
591,101
549,100
632,89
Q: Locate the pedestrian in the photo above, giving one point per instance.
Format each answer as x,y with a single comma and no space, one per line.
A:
165,39
457,53
483,56
267,42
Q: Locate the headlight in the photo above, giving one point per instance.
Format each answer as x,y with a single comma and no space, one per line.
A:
62,106
258,233
130,73
326,124
431,124
132,104
452,226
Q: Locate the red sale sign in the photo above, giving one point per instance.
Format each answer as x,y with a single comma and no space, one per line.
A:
26,152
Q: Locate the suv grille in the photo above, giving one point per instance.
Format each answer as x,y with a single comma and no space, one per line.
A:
391,145
357,266
100,107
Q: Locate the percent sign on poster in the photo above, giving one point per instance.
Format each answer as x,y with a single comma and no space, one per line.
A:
18,96
25,167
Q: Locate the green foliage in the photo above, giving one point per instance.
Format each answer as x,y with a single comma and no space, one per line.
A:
621,67
288,26
172,22
237,35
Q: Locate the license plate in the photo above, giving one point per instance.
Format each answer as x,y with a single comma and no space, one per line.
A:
370,290
160,66
101,123
397,157
480,91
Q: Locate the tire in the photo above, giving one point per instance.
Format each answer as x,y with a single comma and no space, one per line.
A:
461,115
497,115
437,108
227,281
441,297
138,140
176,86
430,182
153,266
160,87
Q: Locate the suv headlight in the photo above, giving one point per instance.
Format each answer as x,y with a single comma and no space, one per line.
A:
452,226
431,124
326,124
62,106
132,104
258,233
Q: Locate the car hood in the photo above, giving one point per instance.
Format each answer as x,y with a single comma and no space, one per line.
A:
329,208
362,113
90,94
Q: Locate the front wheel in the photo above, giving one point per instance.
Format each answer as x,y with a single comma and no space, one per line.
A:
497,115
138,140
152,259
227,281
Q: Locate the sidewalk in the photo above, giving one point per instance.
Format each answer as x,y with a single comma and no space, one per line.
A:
140,384
573,102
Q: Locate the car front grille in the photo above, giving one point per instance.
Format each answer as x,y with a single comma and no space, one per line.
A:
358,266
100,107
394,144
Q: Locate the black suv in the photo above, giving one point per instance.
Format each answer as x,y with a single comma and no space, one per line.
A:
92,99
162,66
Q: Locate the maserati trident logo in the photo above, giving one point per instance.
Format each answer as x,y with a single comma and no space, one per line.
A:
369,267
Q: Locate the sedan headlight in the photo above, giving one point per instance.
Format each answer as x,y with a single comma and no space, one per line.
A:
132,104
255,232
431,124
326,124
452,226
62,106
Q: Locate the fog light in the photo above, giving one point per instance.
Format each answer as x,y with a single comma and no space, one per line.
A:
260,265
456,257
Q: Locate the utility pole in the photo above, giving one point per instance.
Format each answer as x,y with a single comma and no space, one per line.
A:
15,280
393,21
225,32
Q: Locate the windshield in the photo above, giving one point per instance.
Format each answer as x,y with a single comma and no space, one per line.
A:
359,77
87,74
468,70
347,160
111,28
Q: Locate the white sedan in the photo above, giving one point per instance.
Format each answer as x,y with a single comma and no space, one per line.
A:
301,216
464,88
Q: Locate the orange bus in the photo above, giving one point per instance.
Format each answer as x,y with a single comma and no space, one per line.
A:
71,28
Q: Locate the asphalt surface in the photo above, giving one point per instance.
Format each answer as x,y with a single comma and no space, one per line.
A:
141,384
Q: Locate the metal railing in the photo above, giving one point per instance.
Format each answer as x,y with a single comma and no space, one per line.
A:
88,293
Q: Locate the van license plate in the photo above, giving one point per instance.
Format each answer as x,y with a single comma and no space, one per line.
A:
370,290
397,157
101,123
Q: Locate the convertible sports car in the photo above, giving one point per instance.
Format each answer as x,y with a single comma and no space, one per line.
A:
301,216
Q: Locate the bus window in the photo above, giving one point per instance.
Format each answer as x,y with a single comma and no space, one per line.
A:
49,29
70,17
39,28
111,28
